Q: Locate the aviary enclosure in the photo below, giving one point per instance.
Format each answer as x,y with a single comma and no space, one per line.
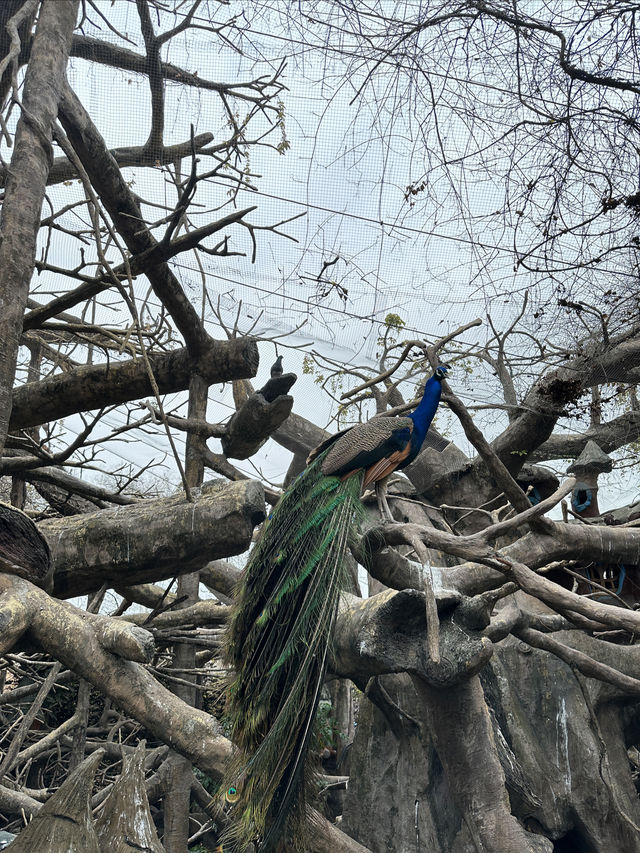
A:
319,426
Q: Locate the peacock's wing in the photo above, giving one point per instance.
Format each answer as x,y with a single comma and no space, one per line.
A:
324,445
364,445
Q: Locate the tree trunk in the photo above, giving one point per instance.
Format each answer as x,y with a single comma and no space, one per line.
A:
459,722
561,740
27,180
178,794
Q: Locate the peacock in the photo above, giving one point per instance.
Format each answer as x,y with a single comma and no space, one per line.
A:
278,639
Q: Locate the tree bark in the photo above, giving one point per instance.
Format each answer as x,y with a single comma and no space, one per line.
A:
180,773
152,540
459,722
387,633
608,436
64,822
94,386
125,822
548,397
257,419
27,180
8,9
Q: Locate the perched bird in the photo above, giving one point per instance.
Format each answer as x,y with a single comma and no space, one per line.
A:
278,639
276,367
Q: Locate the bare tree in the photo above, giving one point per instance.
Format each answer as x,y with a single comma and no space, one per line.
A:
521,731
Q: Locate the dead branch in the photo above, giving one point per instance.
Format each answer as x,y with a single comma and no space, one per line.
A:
152,540
70,636
95,385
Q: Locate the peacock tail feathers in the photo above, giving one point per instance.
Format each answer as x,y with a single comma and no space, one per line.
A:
278,643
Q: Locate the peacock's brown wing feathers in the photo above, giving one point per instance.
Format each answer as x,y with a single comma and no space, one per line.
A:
324,445
365,444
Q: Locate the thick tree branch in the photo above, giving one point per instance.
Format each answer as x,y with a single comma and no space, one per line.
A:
387,633
152,540
199,614
70,485
608,436
94,386
65,633
99,50
221,577
125,212
559,540
299,435
328,838
258,418
586,664
547,399
63,169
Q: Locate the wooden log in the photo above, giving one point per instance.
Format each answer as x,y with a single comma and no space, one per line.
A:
152,540
92,386
259,416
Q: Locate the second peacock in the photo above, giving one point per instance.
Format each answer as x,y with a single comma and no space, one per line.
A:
278,640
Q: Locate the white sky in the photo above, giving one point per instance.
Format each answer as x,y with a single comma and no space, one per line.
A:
391,258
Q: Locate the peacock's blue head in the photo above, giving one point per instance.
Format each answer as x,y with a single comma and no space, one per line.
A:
441,372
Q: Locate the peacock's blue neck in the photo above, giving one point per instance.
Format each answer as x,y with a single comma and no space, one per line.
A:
423,415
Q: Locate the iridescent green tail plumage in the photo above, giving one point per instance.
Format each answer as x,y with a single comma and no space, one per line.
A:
278,644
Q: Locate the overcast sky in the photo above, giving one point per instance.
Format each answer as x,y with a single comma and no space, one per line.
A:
347,168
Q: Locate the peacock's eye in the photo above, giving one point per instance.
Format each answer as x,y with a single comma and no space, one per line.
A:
232,795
